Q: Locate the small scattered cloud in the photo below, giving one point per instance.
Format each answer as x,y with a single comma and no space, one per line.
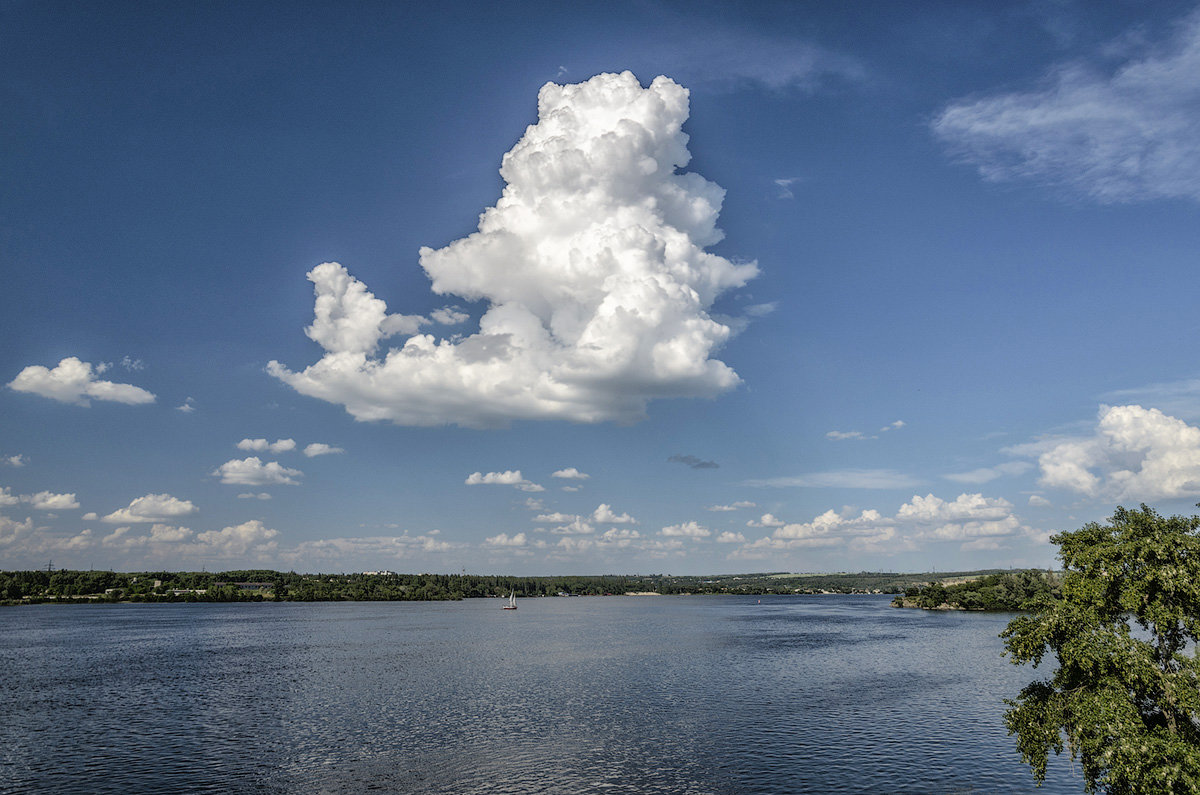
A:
761,310
7,498
263,446
860,435
504,540
253,472
1038,501
555,518
784,187
693,462
262,495
737,506
152,508
131,364
570,473
577,526
252,537
449,316
686,530
320,448
509,477
17,460
604,514
49,501
534,504
74,381
187,407
843,435
766,520
727,537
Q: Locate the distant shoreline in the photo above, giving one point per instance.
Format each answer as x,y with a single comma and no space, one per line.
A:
258,585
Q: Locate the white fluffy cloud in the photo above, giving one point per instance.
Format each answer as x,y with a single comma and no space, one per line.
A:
974,521
687,530
604,514
555,518
251,537
320,448
570,473
593,268
13,532
49,501
449,316
151,508
766,520
75,381
969,516
253,472
505,540
509,477
1133,454
262,445
576,526
1122,136
7,497
159,535
17,460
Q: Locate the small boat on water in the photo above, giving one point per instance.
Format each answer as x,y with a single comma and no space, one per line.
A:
512,601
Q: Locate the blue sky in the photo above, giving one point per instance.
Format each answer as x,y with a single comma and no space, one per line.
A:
322,288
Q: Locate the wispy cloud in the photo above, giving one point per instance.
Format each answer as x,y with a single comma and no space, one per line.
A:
1177,398
839,436
843,479
988,474
693,461
1120,136
732,507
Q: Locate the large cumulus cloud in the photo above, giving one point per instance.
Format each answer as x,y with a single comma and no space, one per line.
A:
594,272
1134,453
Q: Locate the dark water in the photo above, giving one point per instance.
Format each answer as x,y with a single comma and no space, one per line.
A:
596,695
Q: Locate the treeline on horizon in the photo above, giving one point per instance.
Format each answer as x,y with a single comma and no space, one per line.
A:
256,585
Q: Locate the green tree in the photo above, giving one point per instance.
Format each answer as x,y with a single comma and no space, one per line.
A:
1126,700
932,595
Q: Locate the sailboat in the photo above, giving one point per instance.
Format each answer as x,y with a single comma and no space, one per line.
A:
512,601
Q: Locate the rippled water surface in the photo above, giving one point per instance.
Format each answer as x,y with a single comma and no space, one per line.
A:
605,695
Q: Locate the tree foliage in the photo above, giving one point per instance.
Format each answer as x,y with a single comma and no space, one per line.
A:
1124,697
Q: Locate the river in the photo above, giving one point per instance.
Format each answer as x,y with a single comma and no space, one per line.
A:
716,694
